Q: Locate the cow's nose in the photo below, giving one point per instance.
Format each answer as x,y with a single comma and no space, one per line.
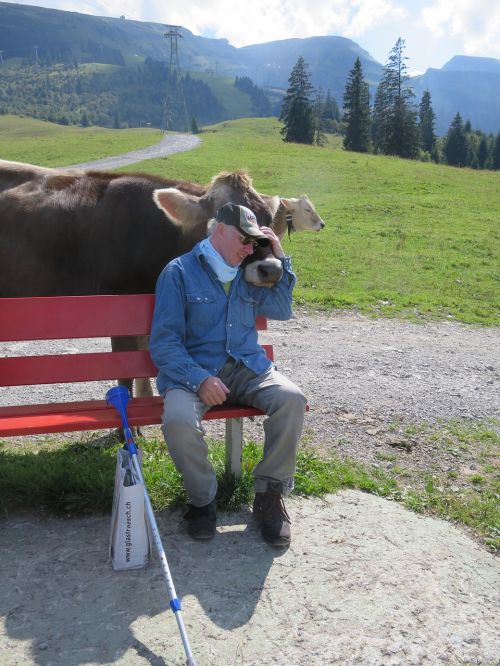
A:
270,271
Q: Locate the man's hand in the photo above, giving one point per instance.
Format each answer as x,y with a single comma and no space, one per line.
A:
213,392
274,242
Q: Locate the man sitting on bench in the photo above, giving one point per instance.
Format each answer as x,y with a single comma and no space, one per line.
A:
204,343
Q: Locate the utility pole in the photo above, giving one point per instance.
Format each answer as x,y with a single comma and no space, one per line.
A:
35,49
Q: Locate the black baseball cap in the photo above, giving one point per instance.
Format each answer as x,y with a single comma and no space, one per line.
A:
244,220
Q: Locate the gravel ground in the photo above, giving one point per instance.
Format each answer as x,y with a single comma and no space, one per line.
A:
364,582
366,380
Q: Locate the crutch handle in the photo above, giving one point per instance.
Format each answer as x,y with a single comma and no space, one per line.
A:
118,397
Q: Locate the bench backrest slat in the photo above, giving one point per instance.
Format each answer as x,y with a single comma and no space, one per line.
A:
68,368
62,317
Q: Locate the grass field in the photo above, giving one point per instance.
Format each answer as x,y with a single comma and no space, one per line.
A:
46,144
236,102
403,238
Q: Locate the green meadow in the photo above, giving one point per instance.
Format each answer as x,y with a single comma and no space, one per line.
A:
403,238
47,144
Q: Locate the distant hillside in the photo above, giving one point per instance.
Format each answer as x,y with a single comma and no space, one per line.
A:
461,63
468,85
329,58
34,36
61,36
69,36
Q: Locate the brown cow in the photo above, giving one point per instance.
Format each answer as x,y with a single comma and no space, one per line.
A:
73,232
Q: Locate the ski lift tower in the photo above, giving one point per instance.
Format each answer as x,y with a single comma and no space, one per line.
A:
172,35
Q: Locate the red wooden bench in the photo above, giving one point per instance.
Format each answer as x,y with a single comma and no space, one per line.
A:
63,317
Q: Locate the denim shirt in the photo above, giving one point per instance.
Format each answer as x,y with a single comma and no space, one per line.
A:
197,326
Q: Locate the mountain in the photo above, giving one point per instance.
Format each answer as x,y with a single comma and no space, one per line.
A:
329,58
68,36
461,63
30,35
466,85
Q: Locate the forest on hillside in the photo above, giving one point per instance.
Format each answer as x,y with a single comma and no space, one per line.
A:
108,95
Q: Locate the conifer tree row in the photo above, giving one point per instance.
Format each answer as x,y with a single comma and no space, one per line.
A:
391,126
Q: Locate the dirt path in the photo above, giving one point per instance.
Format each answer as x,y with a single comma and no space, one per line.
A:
364,582
170,143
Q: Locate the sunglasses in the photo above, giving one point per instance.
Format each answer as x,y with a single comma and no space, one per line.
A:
246,240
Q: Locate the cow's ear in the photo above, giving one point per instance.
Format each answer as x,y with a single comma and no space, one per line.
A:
286,202
180,207
274,204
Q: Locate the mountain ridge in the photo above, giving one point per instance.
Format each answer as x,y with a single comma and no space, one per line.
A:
465,84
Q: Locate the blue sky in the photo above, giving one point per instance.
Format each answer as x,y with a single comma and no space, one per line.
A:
434,30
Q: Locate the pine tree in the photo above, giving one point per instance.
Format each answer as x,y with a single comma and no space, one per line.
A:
426,118
380,120
394,117
455,146
331,107
357,111
297,110
84,121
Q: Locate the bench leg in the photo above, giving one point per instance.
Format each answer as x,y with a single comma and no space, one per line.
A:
234,446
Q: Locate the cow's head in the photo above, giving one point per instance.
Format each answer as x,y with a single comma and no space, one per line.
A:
192,214
294,214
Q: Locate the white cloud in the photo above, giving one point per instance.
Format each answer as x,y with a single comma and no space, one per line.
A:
475,22
269,20
434,30
371,14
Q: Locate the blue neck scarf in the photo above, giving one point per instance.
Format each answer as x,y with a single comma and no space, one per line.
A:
224,272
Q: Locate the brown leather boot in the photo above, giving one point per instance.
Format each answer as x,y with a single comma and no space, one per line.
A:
271,516
201,521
